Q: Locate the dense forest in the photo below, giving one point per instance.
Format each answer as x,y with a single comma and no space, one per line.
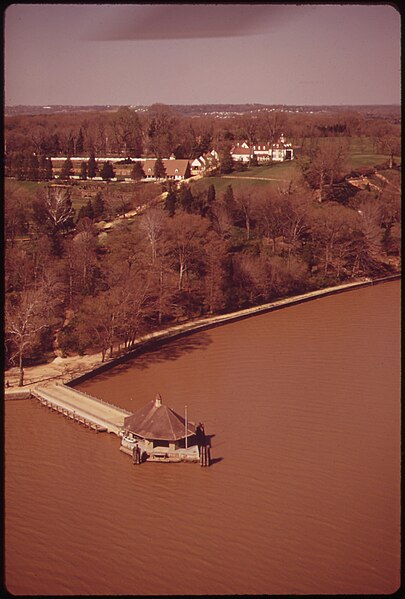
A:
90,279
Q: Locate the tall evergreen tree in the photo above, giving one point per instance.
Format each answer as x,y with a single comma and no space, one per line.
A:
83,170
159,170
43,163
186,199
170,202
70,145
229,201
229,198
207,202
107,171
67,169
92,166
137,172
226,161
98,205
33,168
49,169
211,194
80,143
86,211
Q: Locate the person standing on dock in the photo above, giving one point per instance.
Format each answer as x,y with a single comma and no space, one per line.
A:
136,454
200,433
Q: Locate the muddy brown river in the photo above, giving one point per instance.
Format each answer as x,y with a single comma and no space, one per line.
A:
303,495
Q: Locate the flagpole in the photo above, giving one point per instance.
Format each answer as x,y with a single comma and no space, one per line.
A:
185,409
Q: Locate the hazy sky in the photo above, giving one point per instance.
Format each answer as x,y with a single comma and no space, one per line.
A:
202,53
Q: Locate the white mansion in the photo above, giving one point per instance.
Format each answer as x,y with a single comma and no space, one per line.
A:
264,152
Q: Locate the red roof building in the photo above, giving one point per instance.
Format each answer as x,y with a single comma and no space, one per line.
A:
176,168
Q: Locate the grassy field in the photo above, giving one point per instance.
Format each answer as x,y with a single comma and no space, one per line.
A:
32,187
257,177
221,183
80,192
361,152
280,171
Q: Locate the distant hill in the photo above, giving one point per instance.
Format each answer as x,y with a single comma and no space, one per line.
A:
55,108
220,110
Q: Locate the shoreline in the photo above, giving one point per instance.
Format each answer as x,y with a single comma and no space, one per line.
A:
76,369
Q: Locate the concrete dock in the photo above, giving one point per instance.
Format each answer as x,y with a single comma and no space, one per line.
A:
79,406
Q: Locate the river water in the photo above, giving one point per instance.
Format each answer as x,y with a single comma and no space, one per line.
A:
304,493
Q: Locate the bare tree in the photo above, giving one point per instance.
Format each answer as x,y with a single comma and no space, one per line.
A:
214,259
185,241
387,140
79,262
324,165
127,254
16,202
271,125
270,214
245,201
295,207
25,317
127,131
58,206
152,223
330,226
370,225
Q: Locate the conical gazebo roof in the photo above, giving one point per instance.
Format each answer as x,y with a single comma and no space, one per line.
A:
155,421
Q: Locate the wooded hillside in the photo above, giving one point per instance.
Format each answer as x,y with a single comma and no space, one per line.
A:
75,283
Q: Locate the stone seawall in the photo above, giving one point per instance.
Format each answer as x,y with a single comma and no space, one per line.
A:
20,393
158,338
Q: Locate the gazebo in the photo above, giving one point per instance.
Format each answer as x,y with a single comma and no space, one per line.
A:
158,426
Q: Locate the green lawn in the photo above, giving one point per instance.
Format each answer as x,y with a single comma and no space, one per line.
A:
253,177
220,183
29,186
281,171
361,152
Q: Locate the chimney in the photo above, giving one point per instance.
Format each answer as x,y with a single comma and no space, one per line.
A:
158,400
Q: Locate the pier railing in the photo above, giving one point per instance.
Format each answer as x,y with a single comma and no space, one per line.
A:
96,399
81,405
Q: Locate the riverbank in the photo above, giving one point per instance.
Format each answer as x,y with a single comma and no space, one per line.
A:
74,369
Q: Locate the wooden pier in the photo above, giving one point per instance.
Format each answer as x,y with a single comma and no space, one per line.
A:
82,408
101,416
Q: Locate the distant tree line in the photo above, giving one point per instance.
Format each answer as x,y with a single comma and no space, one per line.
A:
163,130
